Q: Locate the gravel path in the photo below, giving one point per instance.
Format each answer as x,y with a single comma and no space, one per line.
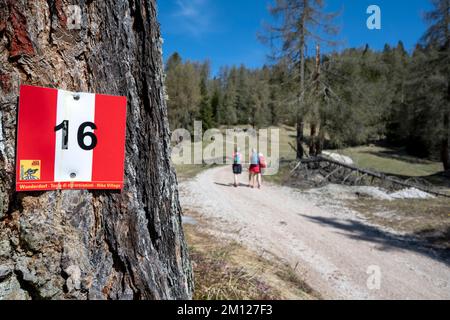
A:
333,248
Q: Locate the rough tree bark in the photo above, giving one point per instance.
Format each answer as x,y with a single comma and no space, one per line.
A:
82,244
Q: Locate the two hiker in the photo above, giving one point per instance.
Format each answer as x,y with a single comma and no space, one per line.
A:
257,164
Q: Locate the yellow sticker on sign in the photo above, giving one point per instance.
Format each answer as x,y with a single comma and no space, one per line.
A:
30,170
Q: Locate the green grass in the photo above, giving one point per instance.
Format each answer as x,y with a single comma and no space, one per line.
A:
391,161
189,171
287,138
281,177
186,172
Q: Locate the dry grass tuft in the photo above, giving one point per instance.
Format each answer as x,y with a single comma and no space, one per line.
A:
225,270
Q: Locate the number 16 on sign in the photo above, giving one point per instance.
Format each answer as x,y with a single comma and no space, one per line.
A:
68,140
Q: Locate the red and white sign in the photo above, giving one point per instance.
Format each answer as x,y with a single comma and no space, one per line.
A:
68,140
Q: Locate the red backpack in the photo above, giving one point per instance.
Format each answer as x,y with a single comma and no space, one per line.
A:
262,162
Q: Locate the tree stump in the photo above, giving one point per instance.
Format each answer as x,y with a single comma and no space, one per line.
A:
86,244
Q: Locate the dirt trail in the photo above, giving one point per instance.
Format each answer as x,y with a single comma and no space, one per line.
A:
333,249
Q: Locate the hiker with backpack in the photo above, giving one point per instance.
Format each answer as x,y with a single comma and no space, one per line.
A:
237,166
254,170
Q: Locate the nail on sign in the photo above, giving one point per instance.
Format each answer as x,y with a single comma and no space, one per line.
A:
68,140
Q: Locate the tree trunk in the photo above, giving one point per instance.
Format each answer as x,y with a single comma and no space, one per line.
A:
85,244
321,139
300,137
300,111
315,113
446,139
445,152
313,140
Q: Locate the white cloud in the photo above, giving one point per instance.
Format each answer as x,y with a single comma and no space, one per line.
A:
189,9
193,17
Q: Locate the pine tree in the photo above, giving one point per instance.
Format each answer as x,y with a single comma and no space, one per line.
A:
397,64
206,112
215,102
437,38
243,99
301,22
183,92
228,112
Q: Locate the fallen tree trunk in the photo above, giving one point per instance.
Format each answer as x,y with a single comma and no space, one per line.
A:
82,244
369,173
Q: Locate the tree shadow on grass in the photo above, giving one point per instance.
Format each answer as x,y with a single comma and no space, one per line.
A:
387,241
435,237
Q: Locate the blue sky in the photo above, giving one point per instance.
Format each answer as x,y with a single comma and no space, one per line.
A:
225,31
